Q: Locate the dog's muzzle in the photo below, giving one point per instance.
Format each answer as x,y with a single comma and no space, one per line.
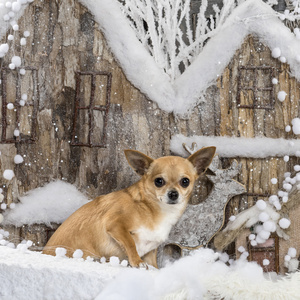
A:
173,197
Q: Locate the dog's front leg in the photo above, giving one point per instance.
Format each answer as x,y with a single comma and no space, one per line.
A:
126,242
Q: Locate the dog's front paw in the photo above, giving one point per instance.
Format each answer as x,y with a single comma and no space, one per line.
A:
139,264
143,265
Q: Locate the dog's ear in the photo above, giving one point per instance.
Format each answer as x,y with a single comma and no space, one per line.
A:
202,159
139,162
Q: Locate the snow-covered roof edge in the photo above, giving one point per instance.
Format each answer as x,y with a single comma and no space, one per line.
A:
251,17
259,147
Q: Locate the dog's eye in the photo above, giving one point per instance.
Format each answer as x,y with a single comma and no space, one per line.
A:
184,182
159,182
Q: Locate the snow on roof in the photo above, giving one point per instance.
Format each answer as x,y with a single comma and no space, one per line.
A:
259,147
54,202
250,17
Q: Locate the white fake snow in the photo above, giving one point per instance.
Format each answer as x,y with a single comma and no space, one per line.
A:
259,147
31,275
8,174
52,203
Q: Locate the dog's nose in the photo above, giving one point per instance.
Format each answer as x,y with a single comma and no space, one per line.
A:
173,195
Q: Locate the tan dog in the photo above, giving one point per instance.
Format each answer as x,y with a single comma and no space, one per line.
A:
133,222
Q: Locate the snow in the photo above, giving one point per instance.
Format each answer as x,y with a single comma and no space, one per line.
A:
292,252
276,52
281,96
284,223
8,174
18,159
250,17
199,276
259,147
261,204
52,203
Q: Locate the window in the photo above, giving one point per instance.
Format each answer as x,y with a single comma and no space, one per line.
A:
255,88
19,95
92,102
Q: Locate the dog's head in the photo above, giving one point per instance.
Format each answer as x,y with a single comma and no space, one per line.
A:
170,179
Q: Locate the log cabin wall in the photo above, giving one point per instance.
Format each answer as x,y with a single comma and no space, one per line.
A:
252,65
64,40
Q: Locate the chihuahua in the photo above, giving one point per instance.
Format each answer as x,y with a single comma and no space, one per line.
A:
133,222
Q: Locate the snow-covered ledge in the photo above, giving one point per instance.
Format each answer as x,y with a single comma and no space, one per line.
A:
259,147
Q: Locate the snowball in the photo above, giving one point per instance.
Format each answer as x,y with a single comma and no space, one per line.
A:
60,252
22,247
274,180
281,96
276,52
88,258
285,199
287,186
12,66
252,237
11,245
78,253
296,125
261,204
8,174
264,234
1,197
260,240
22,103
24,97
18,159
16,132
277,205
280,193
22,41
275,81
16,6
273,199
3,206
266,262
6,17
232,218
287,258
114,261
253,243
282,59
4,48
292,252
258,228
297,168
241,249
16,27
269,226
10,106
103,260
287,174
286,158
288,128
263,217
284,223
10,37
22,71
224,257
26,33
124,263
16,60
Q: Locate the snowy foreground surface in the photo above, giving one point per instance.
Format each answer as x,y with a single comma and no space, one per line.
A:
32,275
